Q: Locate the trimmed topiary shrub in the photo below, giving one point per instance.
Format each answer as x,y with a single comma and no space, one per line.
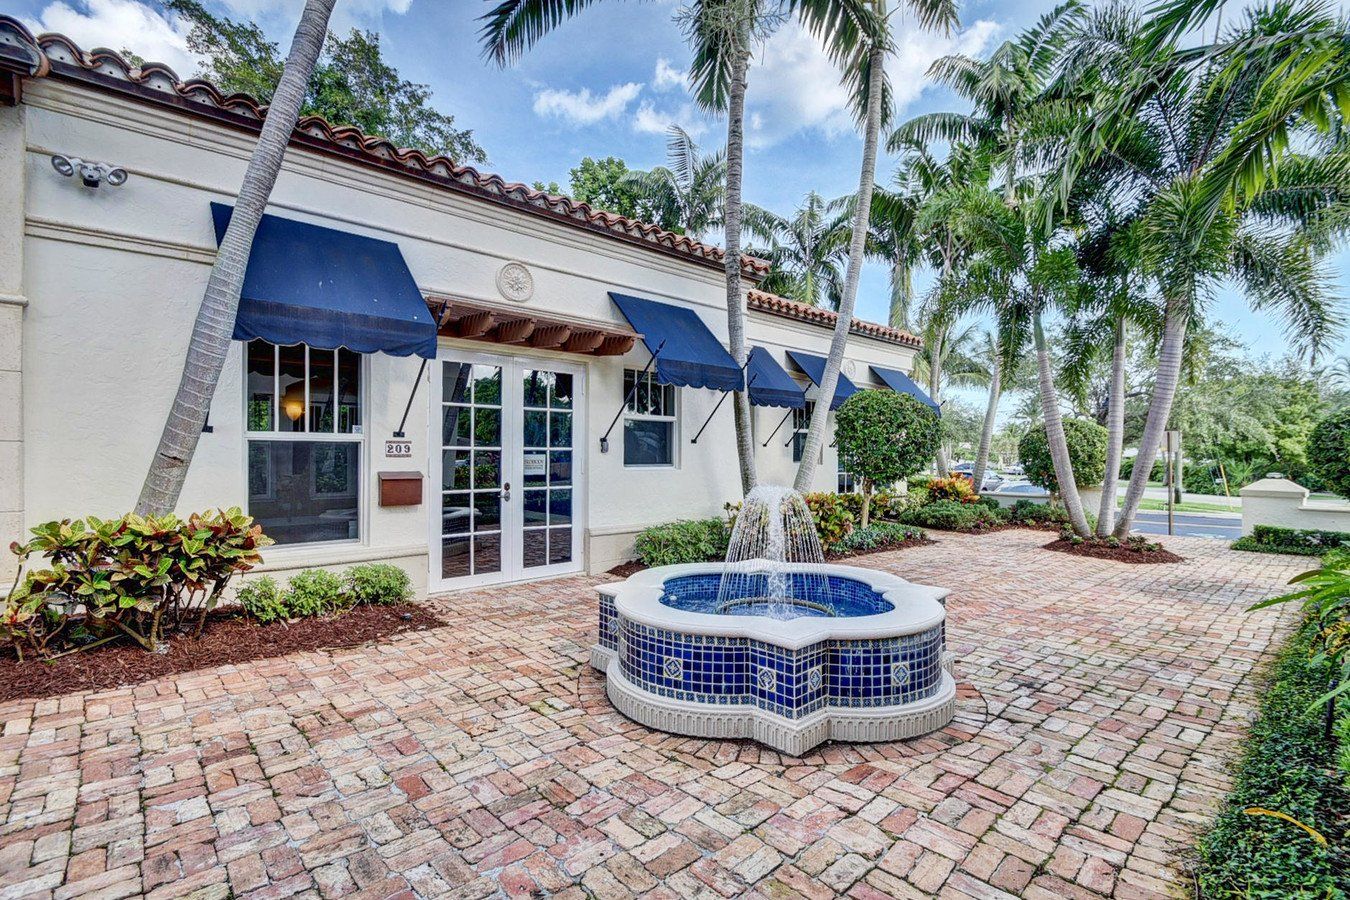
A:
314,592
1329,452
950,515
885,436
1086,442
877,536
379,583
692,540
261,599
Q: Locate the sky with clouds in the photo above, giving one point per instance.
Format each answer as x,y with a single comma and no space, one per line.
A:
611,80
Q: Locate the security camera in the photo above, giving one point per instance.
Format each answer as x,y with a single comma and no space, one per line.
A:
92,174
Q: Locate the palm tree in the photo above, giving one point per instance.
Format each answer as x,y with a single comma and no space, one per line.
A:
213,329
724,34
867,72
1004,373
688,190
1336,375
806,250
950,359
1206,132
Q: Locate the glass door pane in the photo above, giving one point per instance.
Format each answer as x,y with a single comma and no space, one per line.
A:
471,469
546,454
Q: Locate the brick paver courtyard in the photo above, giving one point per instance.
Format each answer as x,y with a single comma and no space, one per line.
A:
1101,704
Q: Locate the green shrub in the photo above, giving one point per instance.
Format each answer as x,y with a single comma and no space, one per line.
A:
694,540
953,487
852,502
314,592
1127,469
876,536
949,515
1086,442
1029,512
888,506
885,436
1298,541
831,515
378,583
262,599
1287,767
1329,452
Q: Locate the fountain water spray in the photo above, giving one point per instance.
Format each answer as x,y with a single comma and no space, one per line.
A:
773,536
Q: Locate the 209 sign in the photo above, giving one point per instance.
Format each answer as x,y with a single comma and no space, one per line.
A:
398,449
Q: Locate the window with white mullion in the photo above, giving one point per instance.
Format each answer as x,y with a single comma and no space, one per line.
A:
650,417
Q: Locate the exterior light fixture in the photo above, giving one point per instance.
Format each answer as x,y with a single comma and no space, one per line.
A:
293,401
91,174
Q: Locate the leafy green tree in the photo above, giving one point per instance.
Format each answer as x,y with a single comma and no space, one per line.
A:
1086,441
885,436
606,184
352,84
687,193
1329,452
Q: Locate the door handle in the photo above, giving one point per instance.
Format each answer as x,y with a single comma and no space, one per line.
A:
506,490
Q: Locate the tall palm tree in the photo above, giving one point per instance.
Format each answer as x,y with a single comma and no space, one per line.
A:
213,329
689,189
724,34
950,359
866,71
806,250
1004,374
1207,133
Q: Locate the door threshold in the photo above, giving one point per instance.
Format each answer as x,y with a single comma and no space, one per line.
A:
441,592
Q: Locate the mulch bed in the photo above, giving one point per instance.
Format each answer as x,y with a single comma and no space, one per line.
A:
228,639
1118,554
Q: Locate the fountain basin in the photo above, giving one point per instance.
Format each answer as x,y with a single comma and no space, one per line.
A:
852,655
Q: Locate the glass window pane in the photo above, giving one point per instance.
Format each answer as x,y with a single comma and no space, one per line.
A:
321,372
261,384
644,396
534,543
536,429
305,491
560,507
629,380
455,557
668,400
536,387
560,429
487,385
487,424
647,443
560,393
455,382
487,553
536,467
559,545
456,513
292,387
349,392
560,467
487,507
534,503
455,426
487,469
455,469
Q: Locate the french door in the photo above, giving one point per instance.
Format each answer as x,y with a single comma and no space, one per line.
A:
507,458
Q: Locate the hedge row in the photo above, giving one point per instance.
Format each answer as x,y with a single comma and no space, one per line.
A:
1298,541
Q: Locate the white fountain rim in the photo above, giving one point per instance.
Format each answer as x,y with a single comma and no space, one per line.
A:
916,608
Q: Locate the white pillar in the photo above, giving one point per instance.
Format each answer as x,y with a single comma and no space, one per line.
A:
12,303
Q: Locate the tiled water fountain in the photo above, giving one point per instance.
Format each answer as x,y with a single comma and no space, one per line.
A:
774,644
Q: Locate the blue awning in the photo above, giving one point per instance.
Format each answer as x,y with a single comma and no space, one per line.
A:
902,383
306,284
770,384
687,353
814,367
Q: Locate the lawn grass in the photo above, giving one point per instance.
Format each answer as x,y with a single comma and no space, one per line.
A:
1154,505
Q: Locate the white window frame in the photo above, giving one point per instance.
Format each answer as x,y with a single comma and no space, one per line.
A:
673,418
326,437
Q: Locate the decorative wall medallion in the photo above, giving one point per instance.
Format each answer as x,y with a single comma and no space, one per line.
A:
815,679
767,678
850,368
514,282
899,674
674,668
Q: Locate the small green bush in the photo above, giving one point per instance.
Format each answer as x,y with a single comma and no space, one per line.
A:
1329,452
378,583
1289,768
876,536
949,515
1297,541
832,517
1031,513
314,592
262,599
1086,442
694,540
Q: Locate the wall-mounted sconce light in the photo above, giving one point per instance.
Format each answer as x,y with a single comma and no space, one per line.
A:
92,174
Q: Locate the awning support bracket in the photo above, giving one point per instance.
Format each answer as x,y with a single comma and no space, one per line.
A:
708,420
781,423
604,440
421,370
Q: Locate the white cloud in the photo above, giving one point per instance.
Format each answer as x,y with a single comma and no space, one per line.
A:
584,108
650,120
667,76
794,86
122,25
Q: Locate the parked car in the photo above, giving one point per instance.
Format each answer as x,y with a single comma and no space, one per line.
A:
1009,493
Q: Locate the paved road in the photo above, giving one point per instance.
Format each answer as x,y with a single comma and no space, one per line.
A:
1226,528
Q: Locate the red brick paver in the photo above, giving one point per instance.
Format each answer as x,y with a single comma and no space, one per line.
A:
1100,706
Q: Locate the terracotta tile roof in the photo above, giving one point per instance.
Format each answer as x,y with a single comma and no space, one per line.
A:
791,309
56,55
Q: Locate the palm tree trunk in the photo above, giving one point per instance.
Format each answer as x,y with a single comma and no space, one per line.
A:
1054,435
214,327
815,434
990,413
1159,410
745,445
902,294
935,392
1115,433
